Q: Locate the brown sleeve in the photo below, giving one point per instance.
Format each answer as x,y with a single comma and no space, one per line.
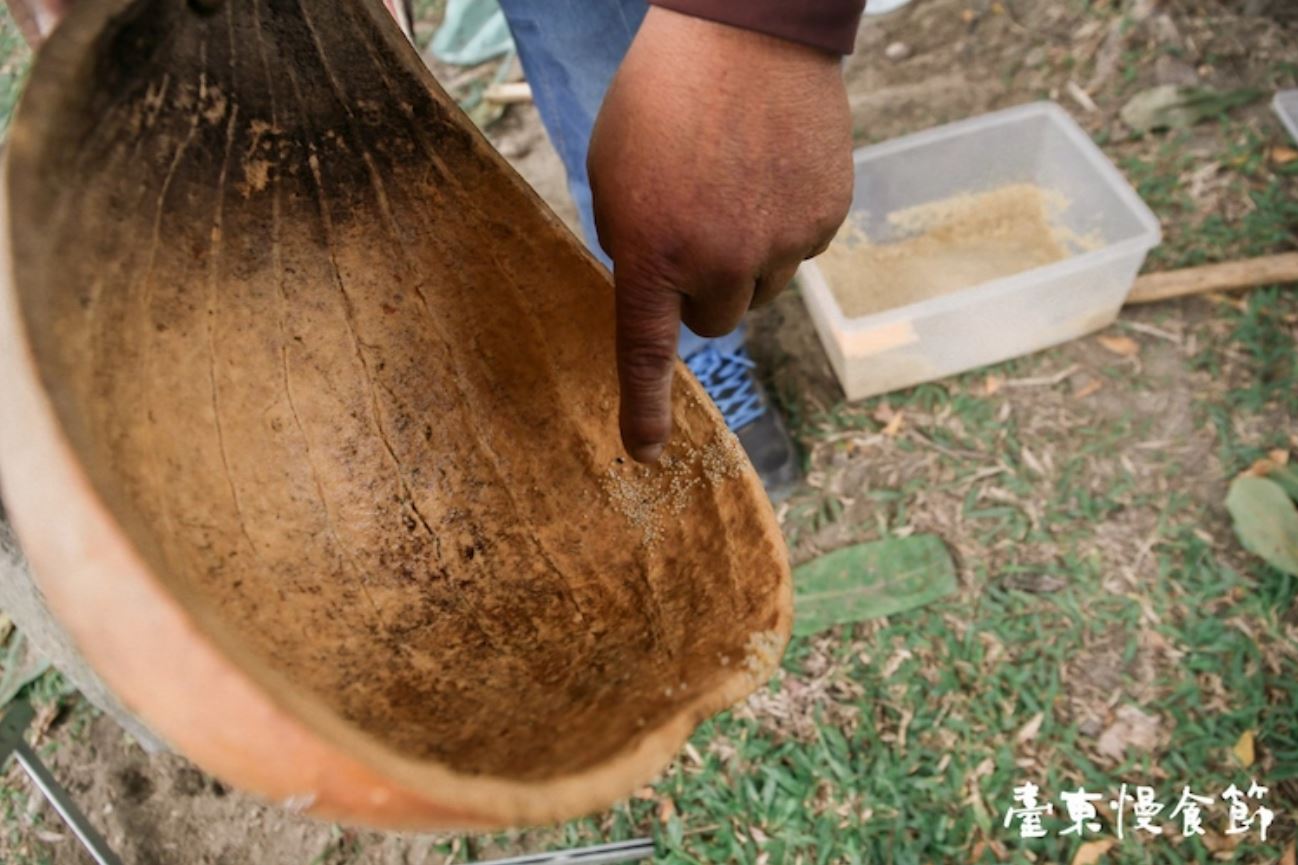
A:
829,25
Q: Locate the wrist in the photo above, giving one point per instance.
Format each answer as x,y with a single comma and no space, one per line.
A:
731,60
828,26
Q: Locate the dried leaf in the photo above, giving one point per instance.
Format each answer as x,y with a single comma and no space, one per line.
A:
46,715
1131,728
893,426
1122,346
1265,521
1036,583
1221,844
890,667
1091,852
1243,749
22,664
1168,106
645,793
1273,462
1029,731
666,809
1261,468
1158,107
1089,389
1290,855
1080,96
1282,155
992,384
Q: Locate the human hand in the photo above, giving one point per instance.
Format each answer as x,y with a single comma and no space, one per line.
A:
720,160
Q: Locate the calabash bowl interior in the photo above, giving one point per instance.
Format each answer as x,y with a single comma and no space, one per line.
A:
347,389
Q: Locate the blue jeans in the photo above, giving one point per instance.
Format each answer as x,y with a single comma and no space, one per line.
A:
570,50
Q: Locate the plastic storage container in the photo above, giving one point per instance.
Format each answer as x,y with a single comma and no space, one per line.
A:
1286,105
1036,143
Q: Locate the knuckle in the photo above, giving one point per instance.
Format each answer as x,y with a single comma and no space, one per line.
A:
727,250
707,325
827,229
820,245
835,210
671,251
840,204
837,215
713,286
731,261
642,285
791,246
645,364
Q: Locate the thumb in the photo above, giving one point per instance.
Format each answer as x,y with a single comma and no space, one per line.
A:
648,326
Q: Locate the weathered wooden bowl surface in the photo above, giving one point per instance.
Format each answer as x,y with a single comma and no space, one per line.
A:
309,432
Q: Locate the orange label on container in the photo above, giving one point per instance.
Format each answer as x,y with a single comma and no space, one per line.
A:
879,339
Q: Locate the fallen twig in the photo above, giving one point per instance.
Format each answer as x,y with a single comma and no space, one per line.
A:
1045,380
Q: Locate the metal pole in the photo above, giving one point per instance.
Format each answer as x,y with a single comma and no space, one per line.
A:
19,716
12,726
603,854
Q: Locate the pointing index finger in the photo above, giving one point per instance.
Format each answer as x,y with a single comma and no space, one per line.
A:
648,326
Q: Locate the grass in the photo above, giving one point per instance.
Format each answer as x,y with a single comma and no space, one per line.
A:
914,749
1263,340
924,769
51,695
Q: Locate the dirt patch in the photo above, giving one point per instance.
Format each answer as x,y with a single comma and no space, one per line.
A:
160,810
157,808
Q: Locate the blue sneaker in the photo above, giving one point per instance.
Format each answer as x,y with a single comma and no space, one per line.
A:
728,378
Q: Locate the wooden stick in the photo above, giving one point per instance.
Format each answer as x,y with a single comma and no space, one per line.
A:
509,93
1215,277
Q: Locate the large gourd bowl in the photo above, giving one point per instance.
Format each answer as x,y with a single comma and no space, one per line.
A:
309,432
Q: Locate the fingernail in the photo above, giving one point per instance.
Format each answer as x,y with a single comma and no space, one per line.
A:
647,453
